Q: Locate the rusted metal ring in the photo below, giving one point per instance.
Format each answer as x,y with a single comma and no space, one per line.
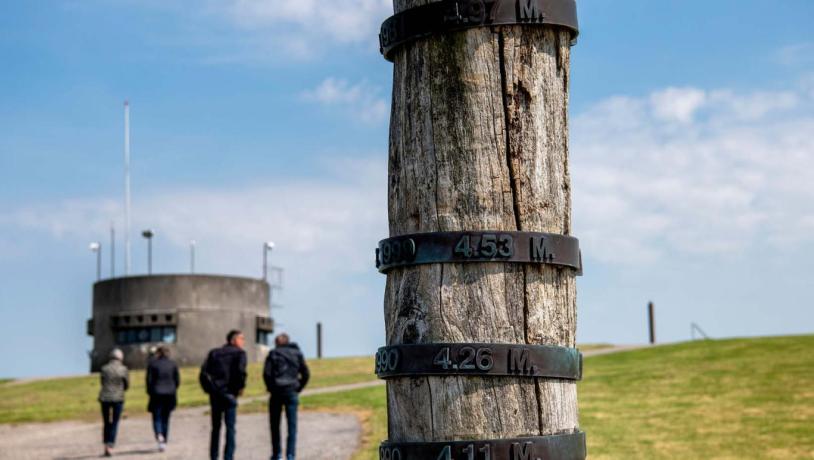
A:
479,359
453,15
555,447
485,246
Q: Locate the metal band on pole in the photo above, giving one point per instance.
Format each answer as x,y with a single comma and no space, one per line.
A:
487,246
454,15
479,359
555,447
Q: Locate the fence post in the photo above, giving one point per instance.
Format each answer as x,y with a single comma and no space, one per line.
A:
319,340
651,320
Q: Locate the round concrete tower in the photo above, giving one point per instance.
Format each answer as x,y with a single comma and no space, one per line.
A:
190,314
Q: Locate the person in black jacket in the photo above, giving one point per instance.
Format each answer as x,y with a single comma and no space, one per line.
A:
223,376
163,380
285,374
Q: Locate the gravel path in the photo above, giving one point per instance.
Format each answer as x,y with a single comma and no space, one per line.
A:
340,388
321,437
614,349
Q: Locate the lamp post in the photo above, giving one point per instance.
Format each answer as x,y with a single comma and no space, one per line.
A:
112,250
267,247
148,234
97,248
192,256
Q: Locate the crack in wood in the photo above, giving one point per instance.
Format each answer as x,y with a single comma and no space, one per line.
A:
506,127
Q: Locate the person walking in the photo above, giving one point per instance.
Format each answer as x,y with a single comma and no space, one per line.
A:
115,382
285,374
223,377
163,380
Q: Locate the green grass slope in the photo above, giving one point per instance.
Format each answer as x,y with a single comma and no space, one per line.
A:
744,398
75,398
729,399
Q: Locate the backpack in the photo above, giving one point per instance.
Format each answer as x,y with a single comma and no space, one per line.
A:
286,368
214,377
205,379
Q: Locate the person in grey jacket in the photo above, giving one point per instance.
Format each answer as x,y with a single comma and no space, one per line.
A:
115,382
162,384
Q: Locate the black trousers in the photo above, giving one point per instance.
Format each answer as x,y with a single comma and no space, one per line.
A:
111,413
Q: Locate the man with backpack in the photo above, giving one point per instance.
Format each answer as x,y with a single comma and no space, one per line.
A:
223,377
285,374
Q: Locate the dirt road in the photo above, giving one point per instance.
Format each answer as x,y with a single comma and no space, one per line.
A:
321,437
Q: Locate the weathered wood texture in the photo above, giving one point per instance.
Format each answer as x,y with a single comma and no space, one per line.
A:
479,141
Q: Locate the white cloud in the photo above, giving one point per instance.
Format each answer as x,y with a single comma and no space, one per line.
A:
693,172
677,104
305,26
682,105
344,20
334,222
798,54
752,106
361,100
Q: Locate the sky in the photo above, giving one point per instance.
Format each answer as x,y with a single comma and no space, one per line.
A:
692,161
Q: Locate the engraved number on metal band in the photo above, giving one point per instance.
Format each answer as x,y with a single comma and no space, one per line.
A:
469,451
478,246
389,453
453,15
387,360
396,251
511,360
490,245
570,446
471,359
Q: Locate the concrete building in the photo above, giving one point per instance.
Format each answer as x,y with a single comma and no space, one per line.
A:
189,313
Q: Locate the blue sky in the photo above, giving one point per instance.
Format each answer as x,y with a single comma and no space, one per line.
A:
692,161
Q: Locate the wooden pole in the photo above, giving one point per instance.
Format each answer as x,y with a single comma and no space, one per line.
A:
479,141
651,320
319,340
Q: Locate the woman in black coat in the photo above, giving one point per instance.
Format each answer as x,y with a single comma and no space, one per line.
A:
163,380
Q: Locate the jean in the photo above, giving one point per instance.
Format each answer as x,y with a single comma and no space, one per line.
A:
111,413
225,408
161,407
288,400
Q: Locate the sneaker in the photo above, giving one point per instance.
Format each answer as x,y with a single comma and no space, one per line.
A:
162,446
108,451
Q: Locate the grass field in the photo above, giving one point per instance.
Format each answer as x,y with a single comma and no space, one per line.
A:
734,399
730,399
75,398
